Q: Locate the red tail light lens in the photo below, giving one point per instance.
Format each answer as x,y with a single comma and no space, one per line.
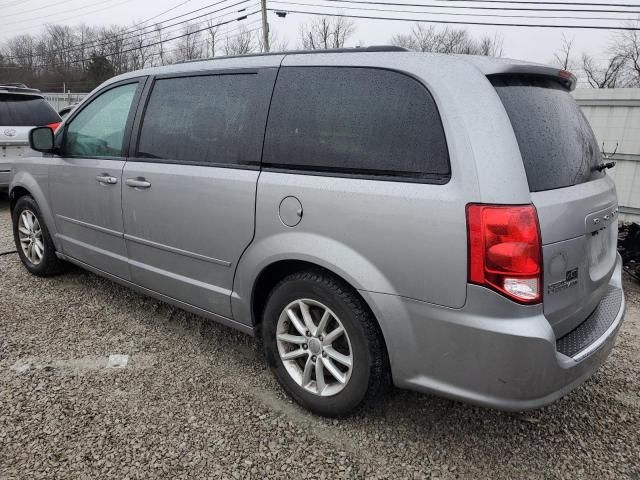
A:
505,250
54,126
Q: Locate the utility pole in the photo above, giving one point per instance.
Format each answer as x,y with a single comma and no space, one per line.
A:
265,26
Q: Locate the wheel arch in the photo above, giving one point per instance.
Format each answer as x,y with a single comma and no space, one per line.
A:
25,184
276,271
15,194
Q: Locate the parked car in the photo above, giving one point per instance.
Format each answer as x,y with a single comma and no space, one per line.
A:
442,222
21,109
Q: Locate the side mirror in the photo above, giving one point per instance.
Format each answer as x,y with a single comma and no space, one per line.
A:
41,139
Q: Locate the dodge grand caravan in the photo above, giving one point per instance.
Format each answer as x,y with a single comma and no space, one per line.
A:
444,223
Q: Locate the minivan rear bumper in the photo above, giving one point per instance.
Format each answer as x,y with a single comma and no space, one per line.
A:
493,352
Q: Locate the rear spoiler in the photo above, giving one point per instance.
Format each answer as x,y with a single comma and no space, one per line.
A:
567,79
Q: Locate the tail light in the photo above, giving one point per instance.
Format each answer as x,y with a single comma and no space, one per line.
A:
54,126
505,250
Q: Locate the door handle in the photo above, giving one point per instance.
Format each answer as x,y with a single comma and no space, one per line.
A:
138,182
106,179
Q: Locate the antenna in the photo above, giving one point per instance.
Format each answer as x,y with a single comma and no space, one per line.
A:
607,156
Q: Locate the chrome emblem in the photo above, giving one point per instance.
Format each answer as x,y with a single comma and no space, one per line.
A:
10,132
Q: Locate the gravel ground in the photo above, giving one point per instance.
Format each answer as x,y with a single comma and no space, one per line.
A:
196,401
6,238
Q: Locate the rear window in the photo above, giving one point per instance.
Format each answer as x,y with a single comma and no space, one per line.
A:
557,144
26,111
355,121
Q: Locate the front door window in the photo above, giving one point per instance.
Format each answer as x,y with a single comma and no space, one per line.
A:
98,130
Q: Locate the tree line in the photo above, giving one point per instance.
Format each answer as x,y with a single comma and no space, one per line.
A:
619,68
78,58
81,57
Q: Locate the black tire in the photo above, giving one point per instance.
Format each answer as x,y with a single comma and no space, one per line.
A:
50,264
369,375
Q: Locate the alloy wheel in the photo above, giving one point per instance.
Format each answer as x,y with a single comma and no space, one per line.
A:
30,235
314,347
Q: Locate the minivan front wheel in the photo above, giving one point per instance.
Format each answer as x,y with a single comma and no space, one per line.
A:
33,243
323,344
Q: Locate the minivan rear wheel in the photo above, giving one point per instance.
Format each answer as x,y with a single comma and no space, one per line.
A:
323,344
32,239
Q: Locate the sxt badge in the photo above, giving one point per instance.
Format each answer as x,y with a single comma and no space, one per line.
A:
570,280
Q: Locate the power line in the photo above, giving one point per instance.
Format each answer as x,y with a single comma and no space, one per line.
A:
466,7
63,11
124,35
453,22
162,13
79,83
164,27
226,22
68,18
492,15
586,4
155,54
145,21
139,23
35,9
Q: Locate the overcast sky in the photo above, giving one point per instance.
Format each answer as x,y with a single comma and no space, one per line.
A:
536,44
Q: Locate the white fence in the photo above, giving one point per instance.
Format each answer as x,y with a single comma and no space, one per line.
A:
60,100
614,114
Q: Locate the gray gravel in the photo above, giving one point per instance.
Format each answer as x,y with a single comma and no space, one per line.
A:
6,239
196,401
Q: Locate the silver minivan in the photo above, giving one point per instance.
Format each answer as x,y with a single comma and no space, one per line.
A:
442,223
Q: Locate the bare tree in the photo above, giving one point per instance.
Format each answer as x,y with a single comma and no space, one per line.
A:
240,43
627,45
456,41
212,38
342,31
86,37
276,43
562,57
160,42
142,53
326,32
491,46
609,76
61,39
448,40
22,49
112,46
189,46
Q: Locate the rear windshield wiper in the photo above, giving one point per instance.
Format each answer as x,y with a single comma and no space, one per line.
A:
606,165
603,166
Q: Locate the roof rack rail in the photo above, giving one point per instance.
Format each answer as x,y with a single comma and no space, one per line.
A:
372,48
17,88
